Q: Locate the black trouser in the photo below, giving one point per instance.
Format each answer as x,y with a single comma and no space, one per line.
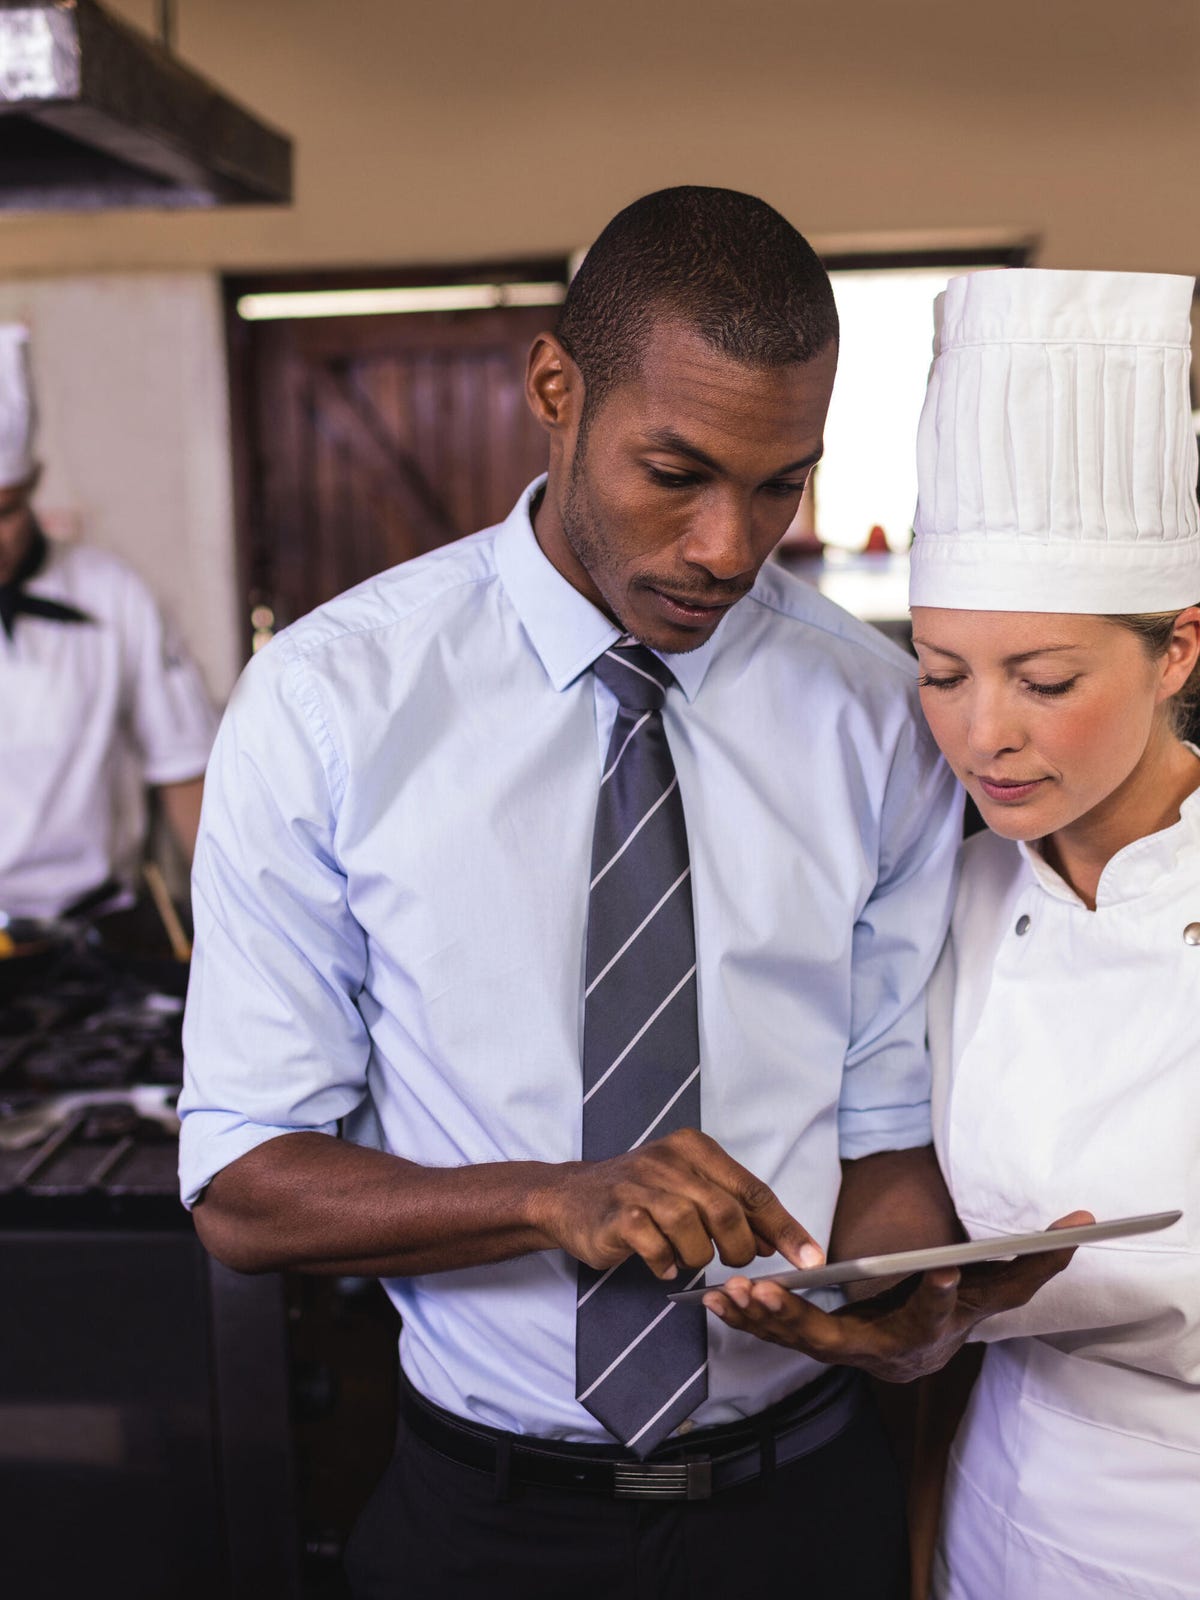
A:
830,1524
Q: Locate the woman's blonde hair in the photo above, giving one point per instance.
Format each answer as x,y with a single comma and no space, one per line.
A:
1154,629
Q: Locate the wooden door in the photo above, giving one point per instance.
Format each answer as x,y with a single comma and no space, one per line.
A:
363,441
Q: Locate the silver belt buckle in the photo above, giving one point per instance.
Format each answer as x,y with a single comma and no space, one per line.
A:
662,1480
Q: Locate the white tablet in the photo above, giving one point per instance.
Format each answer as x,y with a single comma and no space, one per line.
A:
1003,1247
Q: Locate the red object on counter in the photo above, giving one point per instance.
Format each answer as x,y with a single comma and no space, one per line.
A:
876,544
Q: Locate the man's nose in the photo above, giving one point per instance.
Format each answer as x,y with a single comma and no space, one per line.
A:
721,539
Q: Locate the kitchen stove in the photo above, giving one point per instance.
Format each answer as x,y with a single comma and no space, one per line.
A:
89,1018
91,1060
145,1437
192,1430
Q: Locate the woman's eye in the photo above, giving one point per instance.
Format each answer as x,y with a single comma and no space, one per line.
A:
928,682
1052,688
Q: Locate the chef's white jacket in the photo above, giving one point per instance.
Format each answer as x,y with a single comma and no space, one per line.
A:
1067,1075
89,712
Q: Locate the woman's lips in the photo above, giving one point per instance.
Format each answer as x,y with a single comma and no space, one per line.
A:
1007,791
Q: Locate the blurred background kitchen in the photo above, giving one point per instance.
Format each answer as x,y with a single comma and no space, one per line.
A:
275,353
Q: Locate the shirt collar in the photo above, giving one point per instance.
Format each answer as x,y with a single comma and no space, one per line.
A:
566,629
1134,870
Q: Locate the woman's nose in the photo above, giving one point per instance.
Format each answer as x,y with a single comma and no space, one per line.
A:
992,726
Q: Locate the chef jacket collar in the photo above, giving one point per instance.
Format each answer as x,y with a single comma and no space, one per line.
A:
14,601
1133,871
566,629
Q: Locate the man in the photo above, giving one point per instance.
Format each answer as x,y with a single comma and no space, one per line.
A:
596,789
95,692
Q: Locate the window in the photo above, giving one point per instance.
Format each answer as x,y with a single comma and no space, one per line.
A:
868,478
865,488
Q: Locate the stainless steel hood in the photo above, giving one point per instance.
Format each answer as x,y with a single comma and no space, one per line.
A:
95,115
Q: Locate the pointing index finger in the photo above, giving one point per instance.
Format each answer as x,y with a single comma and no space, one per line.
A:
770,1222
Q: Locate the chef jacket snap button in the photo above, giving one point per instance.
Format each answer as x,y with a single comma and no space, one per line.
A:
1191,934
1022,925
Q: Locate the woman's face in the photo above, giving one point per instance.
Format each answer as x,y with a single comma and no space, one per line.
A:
1044,717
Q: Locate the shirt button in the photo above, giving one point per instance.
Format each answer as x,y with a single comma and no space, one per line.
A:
1191,934
685,1426
1022,925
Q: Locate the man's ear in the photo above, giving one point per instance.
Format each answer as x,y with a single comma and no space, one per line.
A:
553,385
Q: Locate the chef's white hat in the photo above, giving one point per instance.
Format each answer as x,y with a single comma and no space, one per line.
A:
18,415
1056,457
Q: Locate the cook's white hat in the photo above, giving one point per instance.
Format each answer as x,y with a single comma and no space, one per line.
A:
1056,457
18,415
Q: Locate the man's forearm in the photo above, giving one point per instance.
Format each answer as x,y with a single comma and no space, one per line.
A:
896,1200
309,1201
313,1202
181,807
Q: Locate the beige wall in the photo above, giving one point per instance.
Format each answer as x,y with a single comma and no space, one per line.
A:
134,436
462,129
467,128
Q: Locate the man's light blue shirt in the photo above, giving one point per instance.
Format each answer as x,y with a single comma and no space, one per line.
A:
390,896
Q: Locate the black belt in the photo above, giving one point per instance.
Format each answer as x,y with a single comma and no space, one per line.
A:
692,1468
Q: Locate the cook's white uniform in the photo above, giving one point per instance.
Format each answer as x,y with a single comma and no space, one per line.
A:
1066,1050
89,712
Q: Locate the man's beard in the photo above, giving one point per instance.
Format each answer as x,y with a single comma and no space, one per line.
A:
581,531
15,553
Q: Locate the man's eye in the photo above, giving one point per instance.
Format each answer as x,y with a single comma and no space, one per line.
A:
672,480
784,487
928,682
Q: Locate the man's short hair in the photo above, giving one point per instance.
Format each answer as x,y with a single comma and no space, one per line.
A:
724,264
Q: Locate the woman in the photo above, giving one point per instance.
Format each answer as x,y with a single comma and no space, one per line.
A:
1055,569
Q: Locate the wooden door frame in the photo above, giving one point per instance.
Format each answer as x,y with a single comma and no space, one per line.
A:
250,554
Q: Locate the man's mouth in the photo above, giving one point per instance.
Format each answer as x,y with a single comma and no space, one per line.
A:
694,608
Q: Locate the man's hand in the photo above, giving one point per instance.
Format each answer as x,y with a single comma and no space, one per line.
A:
910,1330
676,1202
309,1201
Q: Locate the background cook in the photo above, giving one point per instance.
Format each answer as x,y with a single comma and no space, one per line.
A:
99,696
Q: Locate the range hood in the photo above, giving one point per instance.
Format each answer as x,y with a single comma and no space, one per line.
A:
95,115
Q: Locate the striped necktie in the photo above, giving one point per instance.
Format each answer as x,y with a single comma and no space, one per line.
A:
641,1362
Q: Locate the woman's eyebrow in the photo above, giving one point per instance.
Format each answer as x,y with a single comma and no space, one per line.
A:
1042,650
937,649
1009,661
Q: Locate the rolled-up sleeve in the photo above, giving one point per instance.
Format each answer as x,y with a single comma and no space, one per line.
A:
897,938
273,1039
